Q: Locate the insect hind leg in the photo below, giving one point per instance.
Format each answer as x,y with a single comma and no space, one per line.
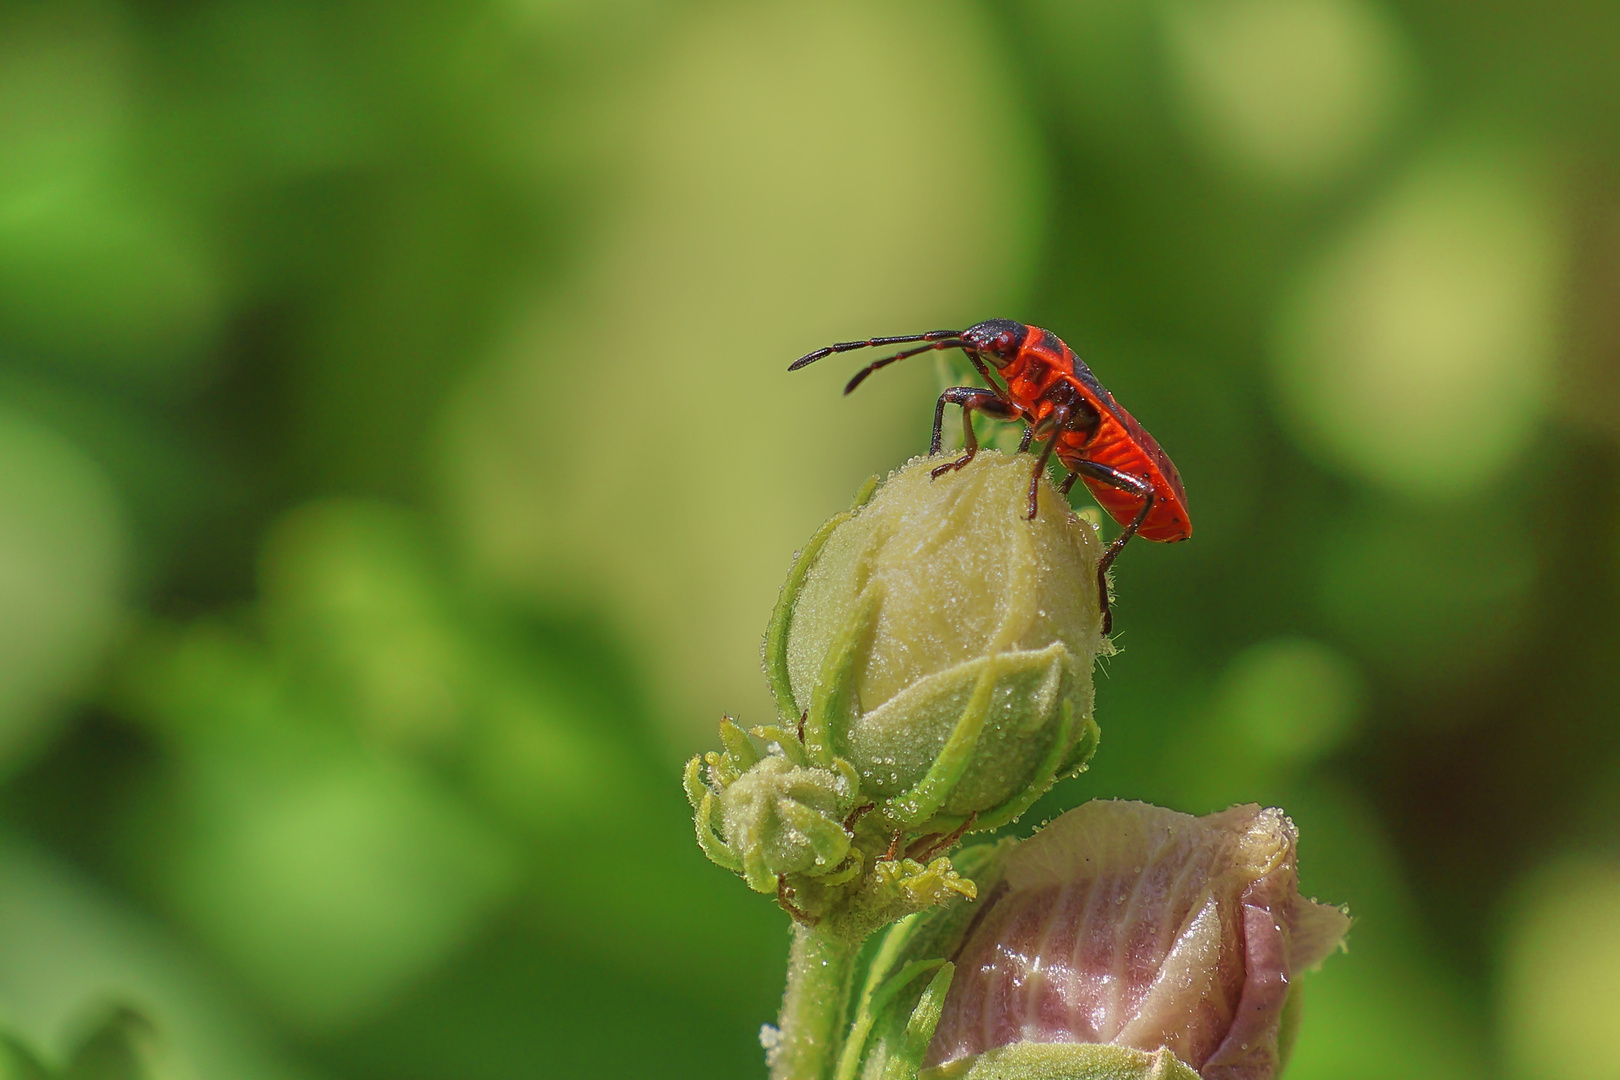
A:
1133,485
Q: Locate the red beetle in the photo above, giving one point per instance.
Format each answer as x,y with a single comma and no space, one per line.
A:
1045,385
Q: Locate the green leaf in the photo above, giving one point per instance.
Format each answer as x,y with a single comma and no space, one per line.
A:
126,1047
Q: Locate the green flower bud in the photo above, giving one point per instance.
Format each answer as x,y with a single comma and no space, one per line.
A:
769,815
942,644
782,818
788,827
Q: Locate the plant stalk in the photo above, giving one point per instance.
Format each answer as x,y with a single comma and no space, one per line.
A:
821,973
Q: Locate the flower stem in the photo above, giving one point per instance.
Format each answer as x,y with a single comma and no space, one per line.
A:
821,971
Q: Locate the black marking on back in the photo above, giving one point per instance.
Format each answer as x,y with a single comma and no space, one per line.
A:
1083,373
1137,433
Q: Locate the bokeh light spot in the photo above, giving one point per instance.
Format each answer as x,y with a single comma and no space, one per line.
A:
366,619
1560,989
1292,698
1417,353
90,269
330,880
91,273
62,554
348,591
1287,92
64,95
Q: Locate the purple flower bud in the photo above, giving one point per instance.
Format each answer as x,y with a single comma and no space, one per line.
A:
1130,925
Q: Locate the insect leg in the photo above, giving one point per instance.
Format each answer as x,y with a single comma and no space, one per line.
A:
1054,421
984,372
994,387
1029,433
970,398
1134,485
1068,483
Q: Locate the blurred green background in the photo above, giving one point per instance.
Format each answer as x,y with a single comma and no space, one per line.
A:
397,468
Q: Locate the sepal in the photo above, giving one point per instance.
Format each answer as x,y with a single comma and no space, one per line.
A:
1064,1061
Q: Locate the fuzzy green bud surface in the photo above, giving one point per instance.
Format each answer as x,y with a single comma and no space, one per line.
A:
785,817
942,644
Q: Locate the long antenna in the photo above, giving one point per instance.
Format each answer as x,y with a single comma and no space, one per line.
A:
860,376
846,346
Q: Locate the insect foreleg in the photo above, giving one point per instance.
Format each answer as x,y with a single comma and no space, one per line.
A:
971,398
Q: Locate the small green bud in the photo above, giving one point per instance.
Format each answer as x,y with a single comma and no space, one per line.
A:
942,644
781,818
769,815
